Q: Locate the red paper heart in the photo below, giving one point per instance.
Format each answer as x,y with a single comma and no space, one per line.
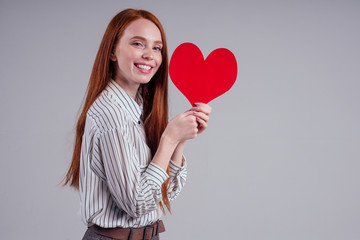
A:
199,80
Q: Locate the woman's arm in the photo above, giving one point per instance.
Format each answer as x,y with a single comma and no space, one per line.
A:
177,156
183,127
178,130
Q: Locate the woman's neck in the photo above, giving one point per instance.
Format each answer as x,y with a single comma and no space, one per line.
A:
130,89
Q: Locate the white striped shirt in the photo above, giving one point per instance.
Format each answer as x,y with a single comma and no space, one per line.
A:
119,185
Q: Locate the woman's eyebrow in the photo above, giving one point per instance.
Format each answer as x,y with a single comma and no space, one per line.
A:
144,39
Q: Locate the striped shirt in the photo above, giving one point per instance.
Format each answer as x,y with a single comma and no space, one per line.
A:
119,185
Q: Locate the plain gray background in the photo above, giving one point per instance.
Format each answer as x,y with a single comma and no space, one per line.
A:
280,159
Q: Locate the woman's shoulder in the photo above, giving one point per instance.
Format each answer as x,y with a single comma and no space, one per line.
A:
106,114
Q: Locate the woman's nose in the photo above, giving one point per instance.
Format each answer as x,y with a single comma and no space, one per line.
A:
148,54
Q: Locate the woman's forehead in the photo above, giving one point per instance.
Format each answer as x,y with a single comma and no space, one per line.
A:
142,28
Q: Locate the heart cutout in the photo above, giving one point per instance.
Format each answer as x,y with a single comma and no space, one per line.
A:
202,80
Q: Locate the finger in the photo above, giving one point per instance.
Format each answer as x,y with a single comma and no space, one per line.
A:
190,118
199,109
202,125
187,113
202,107
202,115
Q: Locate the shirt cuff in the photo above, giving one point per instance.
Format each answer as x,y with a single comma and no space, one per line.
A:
156,174
174,168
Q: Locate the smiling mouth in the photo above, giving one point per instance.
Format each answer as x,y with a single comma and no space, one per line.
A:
143,67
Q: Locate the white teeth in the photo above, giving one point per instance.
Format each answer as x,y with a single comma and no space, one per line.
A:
143,67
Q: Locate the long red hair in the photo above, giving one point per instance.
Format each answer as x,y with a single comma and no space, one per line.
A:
154,93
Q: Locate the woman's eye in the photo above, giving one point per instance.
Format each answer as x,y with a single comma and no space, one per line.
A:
138,44
157,49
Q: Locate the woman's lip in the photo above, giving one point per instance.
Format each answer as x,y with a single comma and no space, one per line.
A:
144,64
144,68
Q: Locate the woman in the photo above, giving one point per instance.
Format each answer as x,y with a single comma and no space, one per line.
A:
128,158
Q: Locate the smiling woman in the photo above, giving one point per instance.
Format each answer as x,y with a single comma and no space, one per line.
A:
128,158
138,55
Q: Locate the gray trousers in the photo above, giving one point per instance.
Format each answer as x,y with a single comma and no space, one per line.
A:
91,235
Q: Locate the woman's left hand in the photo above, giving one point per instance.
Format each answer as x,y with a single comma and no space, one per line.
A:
201,112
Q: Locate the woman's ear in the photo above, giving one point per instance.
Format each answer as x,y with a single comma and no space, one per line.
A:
113,57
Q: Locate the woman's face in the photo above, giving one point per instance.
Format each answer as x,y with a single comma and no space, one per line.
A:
137,54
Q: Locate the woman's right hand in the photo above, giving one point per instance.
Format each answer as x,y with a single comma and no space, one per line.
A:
183,127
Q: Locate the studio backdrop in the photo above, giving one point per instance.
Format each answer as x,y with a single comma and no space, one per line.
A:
280,158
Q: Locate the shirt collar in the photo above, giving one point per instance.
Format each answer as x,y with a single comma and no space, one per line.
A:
134,108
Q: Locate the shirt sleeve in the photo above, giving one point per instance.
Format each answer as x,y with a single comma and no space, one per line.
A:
135,192
177,179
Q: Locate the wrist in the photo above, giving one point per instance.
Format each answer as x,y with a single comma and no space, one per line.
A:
181,144
168,140
164,152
